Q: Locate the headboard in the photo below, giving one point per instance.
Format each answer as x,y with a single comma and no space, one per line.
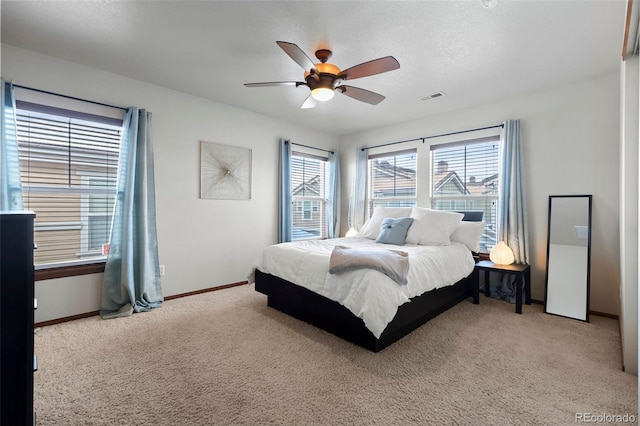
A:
472,216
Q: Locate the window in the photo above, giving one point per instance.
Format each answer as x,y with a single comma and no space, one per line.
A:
392,179
464,176
309,196
68,166
97,211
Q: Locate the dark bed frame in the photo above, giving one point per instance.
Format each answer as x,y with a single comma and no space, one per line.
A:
331,316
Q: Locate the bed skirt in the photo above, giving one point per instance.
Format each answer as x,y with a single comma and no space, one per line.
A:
331,316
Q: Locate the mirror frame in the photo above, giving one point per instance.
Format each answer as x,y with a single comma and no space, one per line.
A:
588,283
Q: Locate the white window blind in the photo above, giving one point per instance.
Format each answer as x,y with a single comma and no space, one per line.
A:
464,177
309,196
68,167
392,179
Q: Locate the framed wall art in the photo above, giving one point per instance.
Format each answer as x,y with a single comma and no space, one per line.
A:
225,172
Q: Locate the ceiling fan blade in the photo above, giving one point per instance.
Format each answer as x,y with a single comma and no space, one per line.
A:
376,66
276,83
361,94
310,102
297,55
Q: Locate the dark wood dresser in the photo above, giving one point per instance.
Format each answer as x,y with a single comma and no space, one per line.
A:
17,360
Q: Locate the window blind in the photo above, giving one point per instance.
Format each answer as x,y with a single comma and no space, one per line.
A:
464,176
68,167
309,196
392,179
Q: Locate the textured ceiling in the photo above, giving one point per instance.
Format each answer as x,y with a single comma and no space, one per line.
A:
210,48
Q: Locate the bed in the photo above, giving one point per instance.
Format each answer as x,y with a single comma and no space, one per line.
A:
369,306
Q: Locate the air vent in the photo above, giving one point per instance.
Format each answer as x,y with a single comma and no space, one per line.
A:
432,96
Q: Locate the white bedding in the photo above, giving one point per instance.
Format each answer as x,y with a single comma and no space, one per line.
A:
369,294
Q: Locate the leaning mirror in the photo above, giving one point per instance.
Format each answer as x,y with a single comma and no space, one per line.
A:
568,256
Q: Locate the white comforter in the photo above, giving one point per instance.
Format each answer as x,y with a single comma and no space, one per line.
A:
367,293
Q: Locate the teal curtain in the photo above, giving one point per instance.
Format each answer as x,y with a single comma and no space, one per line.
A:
10,183
333,207
512,211
357,202
512,214
131,281
284,212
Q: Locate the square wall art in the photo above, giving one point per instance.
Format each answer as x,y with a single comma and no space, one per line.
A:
225,172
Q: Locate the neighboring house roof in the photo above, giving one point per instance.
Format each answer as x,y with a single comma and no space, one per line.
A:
488,185
448,183
385,168
309,188
392,180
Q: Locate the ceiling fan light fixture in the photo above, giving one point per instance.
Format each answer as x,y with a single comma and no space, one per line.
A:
324,79
322,94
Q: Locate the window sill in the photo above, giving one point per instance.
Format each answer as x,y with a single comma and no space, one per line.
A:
69,271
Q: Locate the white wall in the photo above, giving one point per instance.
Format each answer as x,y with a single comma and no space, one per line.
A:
202,243
629,212
571,145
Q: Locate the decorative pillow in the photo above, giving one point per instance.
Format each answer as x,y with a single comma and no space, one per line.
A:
469,234
432,227
394,231
371,228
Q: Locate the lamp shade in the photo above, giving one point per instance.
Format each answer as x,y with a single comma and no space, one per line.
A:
501,254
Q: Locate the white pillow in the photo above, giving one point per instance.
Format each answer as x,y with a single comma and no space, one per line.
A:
371,228
469,234
432,227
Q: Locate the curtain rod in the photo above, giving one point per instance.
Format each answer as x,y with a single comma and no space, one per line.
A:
68,97
312,147
434,136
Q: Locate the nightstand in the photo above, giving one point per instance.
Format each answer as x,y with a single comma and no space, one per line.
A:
522,272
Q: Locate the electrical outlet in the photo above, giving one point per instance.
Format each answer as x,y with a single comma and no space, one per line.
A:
162,270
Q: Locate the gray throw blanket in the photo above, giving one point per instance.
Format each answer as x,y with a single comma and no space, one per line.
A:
392,263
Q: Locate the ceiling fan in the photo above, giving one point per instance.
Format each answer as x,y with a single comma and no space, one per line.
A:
324,79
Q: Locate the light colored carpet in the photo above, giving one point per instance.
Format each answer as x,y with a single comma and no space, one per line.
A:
224,358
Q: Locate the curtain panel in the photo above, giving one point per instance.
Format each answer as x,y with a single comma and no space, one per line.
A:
512,216
10,181
284,206
131,280
357,202
333,209
512,211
